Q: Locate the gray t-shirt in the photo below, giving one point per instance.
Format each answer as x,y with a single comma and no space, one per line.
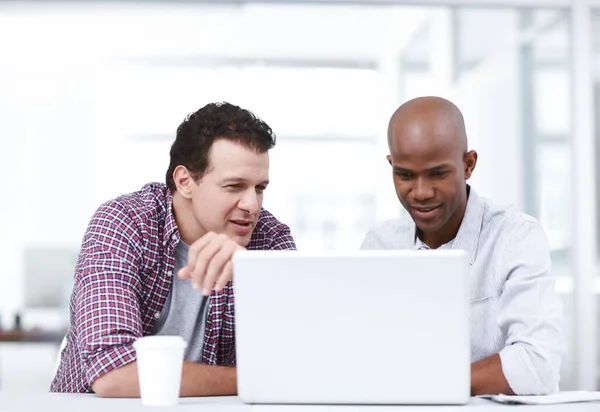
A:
181,313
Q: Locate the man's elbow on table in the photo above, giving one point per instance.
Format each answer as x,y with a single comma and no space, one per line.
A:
104,387
548,373
118,383
530,373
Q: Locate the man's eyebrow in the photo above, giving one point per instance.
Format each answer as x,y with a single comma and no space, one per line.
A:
431,169
232,180
235,179
440,167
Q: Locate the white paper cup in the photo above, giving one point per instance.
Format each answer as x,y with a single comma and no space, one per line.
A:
160,363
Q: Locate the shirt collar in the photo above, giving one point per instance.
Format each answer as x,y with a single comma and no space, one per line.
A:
171,233
467,237
420,245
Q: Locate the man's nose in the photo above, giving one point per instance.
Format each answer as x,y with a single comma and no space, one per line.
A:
249,202
422,190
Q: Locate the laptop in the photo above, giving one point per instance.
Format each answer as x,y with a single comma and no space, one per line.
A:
362,327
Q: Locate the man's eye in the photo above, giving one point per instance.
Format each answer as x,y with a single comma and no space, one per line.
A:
439,173
260,189
234,187
403,175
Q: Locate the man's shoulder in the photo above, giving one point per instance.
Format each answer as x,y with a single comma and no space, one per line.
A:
505,218
395,233
271,234
268,224
128,228
505,227
145,207
396,225
147,203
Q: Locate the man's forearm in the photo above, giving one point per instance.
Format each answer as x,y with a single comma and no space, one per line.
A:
196,380
487,377
204,380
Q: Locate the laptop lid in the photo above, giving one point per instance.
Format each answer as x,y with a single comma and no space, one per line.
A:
363,327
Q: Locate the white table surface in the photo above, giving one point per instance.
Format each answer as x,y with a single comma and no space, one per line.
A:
34,402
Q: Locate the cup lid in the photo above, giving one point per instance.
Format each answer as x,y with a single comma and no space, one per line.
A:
159,342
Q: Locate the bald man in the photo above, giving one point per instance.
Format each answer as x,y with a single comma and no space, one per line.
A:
516,315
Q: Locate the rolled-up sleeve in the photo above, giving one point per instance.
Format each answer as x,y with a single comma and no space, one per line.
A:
530,313
106,308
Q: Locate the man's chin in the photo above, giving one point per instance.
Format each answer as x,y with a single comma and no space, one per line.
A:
241,236
426,226
241,240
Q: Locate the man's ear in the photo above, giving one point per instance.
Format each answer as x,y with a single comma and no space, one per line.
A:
389,159
470,161
184,181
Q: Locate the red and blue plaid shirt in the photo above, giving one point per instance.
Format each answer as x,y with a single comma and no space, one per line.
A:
123,276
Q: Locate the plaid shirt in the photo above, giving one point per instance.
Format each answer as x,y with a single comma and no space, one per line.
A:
123,276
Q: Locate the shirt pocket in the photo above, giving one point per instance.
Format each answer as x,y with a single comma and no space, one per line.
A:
480,300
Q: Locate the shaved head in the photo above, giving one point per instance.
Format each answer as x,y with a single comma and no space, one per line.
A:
430,121
431,163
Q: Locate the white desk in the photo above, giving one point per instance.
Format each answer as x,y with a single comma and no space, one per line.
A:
41,402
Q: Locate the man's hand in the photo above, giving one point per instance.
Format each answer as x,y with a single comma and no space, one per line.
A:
209,262
487,377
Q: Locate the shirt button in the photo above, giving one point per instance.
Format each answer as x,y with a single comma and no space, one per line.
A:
174,237
165,243
157,315
169,273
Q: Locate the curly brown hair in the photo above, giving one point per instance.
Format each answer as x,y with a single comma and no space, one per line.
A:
197,133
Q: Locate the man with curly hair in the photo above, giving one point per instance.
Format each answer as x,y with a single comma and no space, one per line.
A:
150,257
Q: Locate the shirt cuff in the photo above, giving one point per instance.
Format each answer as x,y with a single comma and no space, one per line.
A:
520,373
105,361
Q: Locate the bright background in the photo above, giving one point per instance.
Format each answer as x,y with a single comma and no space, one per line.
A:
91,94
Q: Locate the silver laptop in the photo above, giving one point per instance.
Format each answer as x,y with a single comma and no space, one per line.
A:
364,327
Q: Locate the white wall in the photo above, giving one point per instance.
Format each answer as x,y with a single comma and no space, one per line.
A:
490,99
79,101
48,138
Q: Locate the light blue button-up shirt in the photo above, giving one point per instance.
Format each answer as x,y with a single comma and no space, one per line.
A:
515,310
